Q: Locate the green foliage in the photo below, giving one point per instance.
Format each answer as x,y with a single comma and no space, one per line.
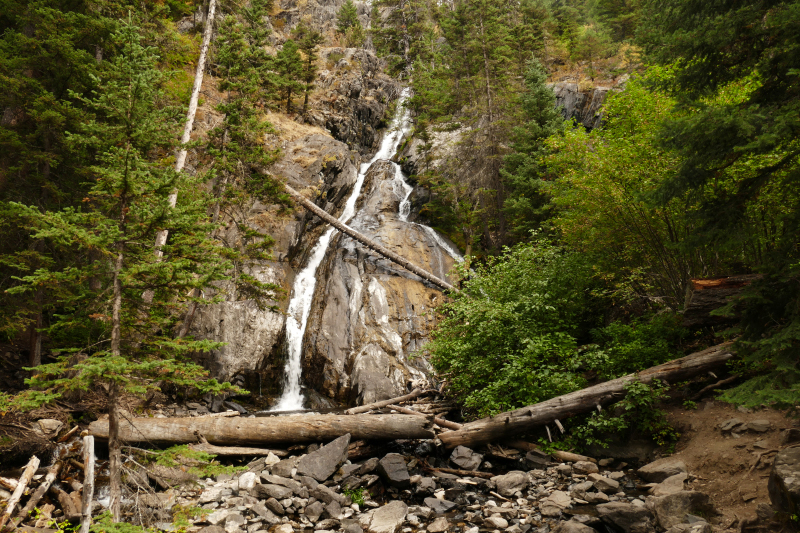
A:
182,514
737,140
356,495
508,339
308,39
105,524
636,412
201,464
689,405
289,66
641,344
347,17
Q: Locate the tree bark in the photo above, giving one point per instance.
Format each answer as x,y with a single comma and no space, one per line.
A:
71,512
88,483
527,418
268,430
180,157
436,420
204,446
24,479
114,454
369,243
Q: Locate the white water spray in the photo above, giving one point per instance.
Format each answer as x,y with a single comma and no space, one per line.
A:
306,280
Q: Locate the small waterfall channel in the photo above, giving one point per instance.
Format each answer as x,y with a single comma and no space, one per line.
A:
299,309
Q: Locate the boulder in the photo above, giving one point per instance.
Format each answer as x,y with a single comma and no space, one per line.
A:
265,492
440,525
697,527
658,471
283,528
247,481
439,506
672,509
394,470
314,511
731,424
322,463
510,483
585,468
284,468
671,485
790,436
265,514
496,522
604,484
212,529
389,518
573,527
47,428
759,426
784,481
626,517
465,458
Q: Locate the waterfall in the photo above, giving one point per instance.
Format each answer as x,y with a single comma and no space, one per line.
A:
306,280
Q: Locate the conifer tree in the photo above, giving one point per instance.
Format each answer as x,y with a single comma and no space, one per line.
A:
307,39
289,66
347,17
129,346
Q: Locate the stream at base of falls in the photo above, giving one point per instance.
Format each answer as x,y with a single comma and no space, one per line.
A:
299,308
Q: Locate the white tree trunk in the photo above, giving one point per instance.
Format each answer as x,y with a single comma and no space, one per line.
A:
180,157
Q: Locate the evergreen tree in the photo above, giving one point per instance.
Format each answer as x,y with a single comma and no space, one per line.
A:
347,17
591,45
289,66
738,137
129,347
308,39
523,169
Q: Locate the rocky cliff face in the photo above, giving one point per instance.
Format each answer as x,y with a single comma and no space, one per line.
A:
369,315
584,106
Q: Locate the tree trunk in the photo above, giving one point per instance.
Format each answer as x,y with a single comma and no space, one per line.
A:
67,504
114,453
180,157
486,73
369,243
379,405
288,100
88,483
267,430
527,418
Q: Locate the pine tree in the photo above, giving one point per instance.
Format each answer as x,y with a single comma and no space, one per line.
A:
129,345
289,66
347,17
308,39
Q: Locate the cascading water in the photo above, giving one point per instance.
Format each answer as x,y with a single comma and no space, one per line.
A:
304,284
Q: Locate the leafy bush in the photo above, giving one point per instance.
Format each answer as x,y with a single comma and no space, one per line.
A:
509,339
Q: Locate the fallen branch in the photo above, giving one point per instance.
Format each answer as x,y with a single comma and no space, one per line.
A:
366,241
267,430
527,418
436,420
22,484
71,511
68,434
383,403
470,473
204,446
716,385
37,495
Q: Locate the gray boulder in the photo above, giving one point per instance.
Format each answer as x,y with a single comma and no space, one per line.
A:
394,470
314,511
389,518
573,527
658,471
322,463
271,491
672,509
465,458
759,426
626,517
697,527
510,483
284,468
671,485
585,467
784,481
439,506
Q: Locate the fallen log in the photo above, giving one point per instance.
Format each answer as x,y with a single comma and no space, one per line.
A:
383,403
268,430
39,492
369,243
225,451
525,419
71,511
465,473
22,484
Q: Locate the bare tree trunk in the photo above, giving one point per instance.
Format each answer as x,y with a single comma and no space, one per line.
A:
259,431
180,157
527,418
369,243
114,453
88,483
40,491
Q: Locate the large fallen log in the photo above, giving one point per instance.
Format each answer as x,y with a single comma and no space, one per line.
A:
522,420
268,430
383,403
369,243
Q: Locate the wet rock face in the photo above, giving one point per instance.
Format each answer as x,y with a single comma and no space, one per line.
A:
319,167
582,106
368,314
